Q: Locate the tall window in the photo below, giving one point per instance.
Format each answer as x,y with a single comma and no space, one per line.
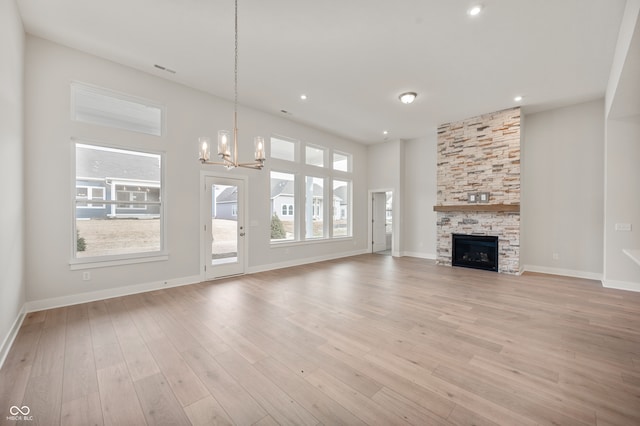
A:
128,218
314,207
341,208
315,183
389,213
283,198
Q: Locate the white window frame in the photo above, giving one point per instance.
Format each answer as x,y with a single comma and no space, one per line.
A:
296,149
301,170
349,214
77,86
349,158
296,219
76,263
317,148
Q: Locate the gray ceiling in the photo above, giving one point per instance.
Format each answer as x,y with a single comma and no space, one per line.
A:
354,57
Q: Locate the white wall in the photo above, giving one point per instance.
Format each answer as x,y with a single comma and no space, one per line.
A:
190,113
562,190
385,164
622,155
12,282
408,168
420,236
622,202
624,73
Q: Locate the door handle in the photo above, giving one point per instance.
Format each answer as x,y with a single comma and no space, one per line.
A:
242,234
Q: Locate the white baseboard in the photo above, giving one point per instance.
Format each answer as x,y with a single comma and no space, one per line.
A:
298,262
11,336
419,255
621,285
561,271
92,296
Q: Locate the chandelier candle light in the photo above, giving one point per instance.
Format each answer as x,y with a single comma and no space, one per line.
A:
229,158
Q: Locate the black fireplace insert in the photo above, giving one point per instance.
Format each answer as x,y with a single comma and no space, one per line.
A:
475,251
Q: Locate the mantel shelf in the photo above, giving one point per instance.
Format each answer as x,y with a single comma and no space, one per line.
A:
478,208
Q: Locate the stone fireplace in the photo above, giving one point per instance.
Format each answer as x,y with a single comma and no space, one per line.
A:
480,155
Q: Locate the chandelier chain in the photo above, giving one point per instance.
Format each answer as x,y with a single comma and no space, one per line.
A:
235,69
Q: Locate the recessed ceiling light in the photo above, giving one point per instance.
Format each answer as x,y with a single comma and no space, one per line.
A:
408,97
303,97
475,10
517,98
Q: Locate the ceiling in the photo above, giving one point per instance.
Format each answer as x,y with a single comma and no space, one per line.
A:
352,58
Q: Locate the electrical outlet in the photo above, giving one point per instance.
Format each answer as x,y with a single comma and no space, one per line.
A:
86,276
623,227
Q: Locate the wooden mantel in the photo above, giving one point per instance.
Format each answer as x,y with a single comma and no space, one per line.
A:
478,208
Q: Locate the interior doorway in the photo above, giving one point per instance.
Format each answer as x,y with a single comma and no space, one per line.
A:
382,222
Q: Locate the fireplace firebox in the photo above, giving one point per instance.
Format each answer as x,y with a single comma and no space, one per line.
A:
475,251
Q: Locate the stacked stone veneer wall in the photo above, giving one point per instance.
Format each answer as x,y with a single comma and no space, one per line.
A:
481,154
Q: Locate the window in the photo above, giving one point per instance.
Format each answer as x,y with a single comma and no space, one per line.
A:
341,162
311,195
314,207
283,149
314,156
104,107
283,198
287,210
128,219
389,213
89,193
341,208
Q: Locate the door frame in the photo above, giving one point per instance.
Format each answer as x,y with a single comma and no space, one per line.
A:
370,220
205,209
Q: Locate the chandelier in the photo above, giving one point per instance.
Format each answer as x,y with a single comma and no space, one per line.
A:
227,153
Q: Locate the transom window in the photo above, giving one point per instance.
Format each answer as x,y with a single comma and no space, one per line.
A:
95,105
341,162
283,149
314,156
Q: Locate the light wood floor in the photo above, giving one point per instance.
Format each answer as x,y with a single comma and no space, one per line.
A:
364,340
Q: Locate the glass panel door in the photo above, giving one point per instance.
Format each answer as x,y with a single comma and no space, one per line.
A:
224,227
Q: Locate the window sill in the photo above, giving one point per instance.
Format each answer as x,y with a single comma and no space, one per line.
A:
90,263
279,244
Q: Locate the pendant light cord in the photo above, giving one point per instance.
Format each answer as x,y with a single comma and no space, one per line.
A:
235,70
